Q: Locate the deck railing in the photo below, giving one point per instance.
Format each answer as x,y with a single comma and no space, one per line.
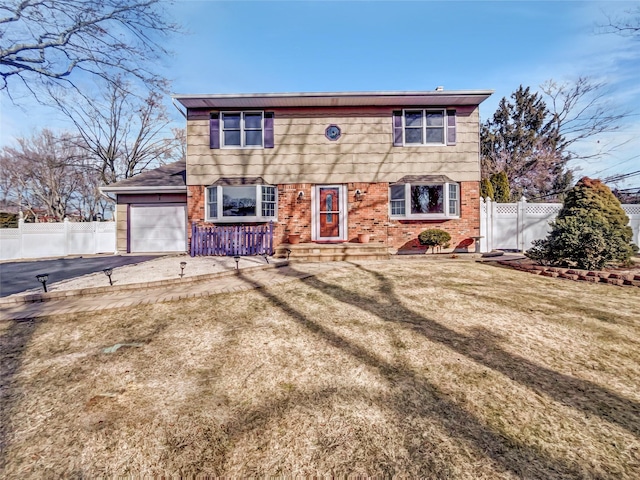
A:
232,240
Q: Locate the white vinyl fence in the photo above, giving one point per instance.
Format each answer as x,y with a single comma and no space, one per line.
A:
514,226
39,240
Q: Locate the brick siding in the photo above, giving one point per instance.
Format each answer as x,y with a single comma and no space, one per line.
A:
368,214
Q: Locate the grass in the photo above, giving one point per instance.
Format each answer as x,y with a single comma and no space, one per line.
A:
409,368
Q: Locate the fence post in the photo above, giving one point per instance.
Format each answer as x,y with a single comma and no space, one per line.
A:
483,223
522,223
21,234
193,239
94,226
67,236
489,218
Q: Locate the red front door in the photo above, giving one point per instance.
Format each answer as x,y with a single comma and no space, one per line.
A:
329,212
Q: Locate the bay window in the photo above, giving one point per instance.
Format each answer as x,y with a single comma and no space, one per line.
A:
244,203
424,200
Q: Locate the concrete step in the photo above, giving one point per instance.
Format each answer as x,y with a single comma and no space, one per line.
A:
320,252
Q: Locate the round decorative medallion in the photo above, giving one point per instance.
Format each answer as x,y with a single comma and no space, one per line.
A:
332,132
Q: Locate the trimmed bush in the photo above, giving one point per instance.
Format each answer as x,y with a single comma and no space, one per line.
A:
434,238
591,231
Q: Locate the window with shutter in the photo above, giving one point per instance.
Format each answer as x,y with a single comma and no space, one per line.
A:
241,130
415,127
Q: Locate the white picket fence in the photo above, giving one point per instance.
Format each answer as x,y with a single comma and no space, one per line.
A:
514,226
39,240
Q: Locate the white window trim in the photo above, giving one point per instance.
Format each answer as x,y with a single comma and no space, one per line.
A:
424,127
426,216
248,219
242,130
315,214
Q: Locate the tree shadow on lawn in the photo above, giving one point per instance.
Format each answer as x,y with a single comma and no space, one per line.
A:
508,453
13,342
573,392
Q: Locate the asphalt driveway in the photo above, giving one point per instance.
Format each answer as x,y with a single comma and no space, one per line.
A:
17,277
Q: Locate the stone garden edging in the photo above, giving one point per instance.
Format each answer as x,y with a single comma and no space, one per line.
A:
592,276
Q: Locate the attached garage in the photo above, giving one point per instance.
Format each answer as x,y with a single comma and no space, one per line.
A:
151,211
158,228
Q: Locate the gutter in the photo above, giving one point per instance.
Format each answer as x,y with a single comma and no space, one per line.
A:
118,190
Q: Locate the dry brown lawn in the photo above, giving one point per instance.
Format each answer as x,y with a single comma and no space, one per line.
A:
407,368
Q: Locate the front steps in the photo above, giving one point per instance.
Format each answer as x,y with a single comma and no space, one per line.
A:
331,252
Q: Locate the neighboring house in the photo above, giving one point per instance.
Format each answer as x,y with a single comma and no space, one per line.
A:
327,166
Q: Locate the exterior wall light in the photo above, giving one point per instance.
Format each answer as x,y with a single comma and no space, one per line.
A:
359,194
300,195
108,272
182,265
42,278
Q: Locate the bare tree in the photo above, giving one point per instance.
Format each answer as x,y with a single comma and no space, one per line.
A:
48,41
626,27
122,134
43,178
180,142
581,110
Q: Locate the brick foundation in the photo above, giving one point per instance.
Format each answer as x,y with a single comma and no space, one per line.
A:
367,214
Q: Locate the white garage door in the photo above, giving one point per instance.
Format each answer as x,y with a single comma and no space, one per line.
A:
158,228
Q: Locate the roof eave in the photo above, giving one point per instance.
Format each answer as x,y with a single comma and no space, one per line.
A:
335,99
146,189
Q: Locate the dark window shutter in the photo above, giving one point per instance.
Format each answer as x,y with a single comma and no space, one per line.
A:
214,130
268,130
451,127
397,128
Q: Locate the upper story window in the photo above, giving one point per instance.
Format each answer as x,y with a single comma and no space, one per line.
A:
414,127
424,200
245,203
249,129
242,129
424,127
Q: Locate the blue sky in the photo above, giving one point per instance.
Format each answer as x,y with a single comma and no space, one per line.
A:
302,46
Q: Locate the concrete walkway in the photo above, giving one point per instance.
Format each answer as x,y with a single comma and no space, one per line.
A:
241,280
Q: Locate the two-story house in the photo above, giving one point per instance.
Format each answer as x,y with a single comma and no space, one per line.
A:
326,166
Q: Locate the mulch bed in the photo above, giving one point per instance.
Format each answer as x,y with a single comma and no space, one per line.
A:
612,276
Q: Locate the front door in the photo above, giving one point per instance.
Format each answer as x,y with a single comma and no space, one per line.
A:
329,213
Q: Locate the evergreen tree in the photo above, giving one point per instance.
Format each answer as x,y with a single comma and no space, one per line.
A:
500,184
523,140
486,189
590,231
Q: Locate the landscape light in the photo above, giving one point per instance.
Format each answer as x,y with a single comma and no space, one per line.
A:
264,254
182,265
237,259
288,253
42,278
108,272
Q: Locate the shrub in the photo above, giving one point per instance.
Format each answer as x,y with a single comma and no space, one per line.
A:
501,190
590,231
486,189
8,220
434,238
